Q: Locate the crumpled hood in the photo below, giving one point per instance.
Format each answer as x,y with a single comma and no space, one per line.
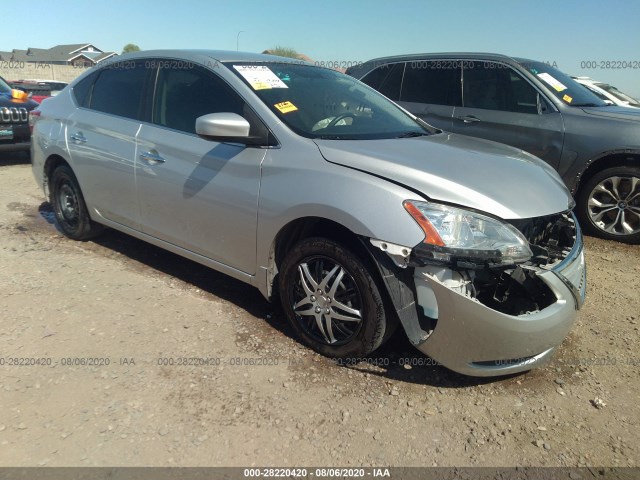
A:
466,171
615,111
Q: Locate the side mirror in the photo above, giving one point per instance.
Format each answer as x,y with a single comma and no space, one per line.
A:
229,127
232,128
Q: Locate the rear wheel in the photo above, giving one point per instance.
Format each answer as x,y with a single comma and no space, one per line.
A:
609,204
69,206
331,299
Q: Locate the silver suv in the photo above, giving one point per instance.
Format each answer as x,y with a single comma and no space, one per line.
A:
532,106
304,182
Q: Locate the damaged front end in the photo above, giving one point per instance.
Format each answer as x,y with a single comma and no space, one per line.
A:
499,301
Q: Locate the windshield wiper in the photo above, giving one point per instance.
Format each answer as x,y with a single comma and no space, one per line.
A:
412,134
588,105
334,137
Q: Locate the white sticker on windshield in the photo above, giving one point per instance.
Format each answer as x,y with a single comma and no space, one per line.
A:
260,77
552,81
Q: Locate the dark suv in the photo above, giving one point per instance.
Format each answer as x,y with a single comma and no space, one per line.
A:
14,119
535,107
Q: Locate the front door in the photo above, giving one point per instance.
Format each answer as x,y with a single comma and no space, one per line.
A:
195,193
500,104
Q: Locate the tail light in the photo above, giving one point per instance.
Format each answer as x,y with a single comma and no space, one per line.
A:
34,115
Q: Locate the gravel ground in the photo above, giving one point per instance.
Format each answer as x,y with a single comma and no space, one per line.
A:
93,326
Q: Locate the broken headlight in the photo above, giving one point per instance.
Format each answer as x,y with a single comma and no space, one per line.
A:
470,239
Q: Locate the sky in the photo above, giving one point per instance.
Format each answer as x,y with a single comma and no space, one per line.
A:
575,36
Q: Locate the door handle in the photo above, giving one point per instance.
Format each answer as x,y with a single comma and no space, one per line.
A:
78,137
151,158
469,119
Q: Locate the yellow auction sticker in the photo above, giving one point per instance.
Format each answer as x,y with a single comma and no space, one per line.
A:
286,107
260,85
567,99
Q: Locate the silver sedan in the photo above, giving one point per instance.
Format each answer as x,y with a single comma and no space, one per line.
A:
310,185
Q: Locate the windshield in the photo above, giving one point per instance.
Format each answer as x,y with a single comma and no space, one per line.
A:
618,94
562,85
600,95
321,103
4,88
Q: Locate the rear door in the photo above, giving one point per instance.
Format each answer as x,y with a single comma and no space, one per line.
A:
100,137
198,194
499,104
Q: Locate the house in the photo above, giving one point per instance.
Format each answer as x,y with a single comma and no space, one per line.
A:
77,55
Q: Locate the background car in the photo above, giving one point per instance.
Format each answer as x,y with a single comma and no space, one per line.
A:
532,106
316,189
39,89
608,93
14,118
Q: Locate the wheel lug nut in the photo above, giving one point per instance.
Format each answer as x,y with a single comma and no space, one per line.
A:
326,310
313,298
318,309
328,299
319,292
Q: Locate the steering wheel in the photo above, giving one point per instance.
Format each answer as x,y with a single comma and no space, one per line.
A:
342,116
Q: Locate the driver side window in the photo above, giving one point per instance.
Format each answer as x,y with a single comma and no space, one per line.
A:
184,94
495,86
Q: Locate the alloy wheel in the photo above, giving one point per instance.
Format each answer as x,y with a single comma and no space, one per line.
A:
326,301
614,205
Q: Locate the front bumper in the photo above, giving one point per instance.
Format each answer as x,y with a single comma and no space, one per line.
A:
11,147
14,137
473,339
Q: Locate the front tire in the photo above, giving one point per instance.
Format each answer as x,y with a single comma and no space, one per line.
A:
331,300
69,206
609,205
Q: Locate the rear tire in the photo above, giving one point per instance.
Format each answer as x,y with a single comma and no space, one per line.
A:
608,205
331,299
69,206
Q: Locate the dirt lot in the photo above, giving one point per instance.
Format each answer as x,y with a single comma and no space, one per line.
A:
129,306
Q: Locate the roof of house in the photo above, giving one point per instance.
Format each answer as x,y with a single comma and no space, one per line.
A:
59,53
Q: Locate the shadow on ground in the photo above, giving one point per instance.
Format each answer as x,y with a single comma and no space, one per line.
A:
14,158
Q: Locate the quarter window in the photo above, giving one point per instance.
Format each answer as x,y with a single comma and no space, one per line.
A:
82,90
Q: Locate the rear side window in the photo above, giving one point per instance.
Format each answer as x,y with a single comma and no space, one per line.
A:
120,89
432,82
387,79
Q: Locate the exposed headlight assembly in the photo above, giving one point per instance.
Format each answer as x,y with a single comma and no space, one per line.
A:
469,239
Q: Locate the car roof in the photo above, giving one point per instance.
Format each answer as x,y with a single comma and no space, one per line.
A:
360,70
219,55
465,55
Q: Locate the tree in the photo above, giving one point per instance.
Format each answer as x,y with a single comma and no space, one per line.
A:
130,47
283,52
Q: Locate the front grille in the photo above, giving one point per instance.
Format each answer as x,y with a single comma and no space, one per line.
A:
14,115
